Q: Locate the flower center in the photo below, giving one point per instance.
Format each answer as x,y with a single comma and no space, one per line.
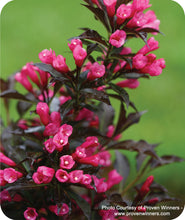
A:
66,162
76,178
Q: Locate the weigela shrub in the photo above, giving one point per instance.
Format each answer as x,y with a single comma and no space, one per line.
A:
56,162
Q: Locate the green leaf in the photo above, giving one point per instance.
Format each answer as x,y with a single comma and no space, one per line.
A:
121,92
84,205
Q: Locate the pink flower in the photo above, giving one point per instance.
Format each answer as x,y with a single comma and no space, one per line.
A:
101,186
6,160
43,175
42,110
5,196
49,145
104,158
64,99
59,63
43,77
60,140
96,71
76,176
151,20
2,180
140,5
11,175
62,176
123,12
79,153
110,5
139,61
66,130
79,55
59,211
17,198
145,188
29,70
51,129
152,45
108,214
86,180
117,39
90,142
110,132
30,214
113,178
66,162
74,43
92,160
47,56
22,79
128,83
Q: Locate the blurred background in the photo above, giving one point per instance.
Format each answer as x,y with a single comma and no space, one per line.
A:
29,26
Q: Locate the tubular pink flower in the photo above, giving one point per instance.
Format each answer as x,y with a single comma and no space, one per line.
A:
76,176
42,110
101,186
22,79
79,153
66,162
43,78
140,5
66,130
104,158
139,61
117,39
110,5
49,145
30,214
96,71
51,129
79,55
11,175
59,211
123,12
129,83
92,160
110,214
5,196
4,159
74,43
152,45
47,56
60,141
2,180
43,175
86,180
17,198
145,188
59,63
64,99
90,142
113,178
55,118
151,20
22,124
62,176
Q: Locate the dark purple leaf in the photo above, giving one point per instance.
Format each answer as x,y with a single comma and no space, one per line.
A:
13,94
133,75
121,120
121,164
116,199
66,108
149,30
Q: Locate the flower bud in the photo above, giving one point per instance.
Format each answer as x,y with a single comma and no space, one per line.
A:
4,159
79,55
22,79
42,110
110,5
123,12
96,71
74,43
113,178
59,63
47,56
129,83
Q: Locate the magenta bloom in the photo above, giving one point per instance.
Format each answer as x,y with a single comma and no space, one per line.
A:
66,162
79,55
74,43
123,12
66,130
155,68
113,178
64,209
59,63
6,160
11,175
62,176
51,129
2,180
104,158
30,214
22,79
55,118
76,176
117,39
43,175
129,83
110,5
5,196
79,153
152,45
47,56
96,71
90,142
60,140
86,180
139,61
140,5
101,186
92,160
49,145
42,110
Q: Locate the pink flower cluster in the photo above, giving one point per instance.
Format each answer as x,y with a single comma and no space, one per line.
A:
9,175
